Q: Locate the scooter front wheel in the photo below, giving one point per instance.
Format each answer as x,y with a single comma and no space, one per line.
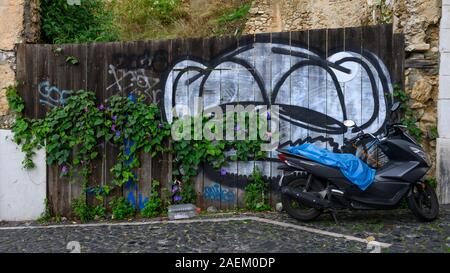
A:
294,208
423,202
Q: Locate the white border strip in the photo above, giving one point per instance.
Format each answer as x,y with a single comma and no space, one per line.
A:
188,221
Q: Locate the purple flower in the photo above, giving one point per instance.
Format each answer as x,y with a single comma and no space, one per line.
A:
160,126
86,109
223,171
101,107
117,133
237,128
64,169
114,118
268,115
174,188
82,162
113,128
177,198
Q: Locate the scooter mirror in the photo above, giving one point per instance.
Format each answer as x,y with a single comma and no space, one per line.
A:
395,106
349,123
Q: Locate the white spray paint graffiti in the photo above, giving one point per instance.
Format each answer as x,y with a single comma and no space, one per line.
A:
315,95
135,82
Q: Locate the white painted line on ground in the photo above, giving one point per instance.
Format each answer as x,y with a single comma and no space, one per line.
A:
189,221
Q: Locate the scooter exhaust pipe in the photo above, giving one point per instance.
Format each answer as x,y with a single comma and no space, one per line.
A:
307,198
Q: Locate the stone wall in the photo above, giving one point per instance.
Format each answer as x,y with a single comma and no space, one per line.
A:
19,21
417,19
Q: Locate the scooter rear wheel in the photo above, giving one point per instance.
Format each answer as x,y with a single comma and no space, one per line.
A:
294,208
423,202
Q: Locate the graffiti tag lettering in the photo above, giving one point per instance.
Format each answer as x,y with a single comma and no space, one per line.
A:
216,193
51,95
135,82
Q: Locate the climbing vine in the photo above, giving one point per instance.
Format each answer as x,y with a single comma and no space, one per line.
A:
190,154
134,127
408,118
74,132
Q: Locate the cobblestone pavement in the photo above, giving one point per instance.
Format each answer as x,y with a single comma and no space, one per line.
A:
228,233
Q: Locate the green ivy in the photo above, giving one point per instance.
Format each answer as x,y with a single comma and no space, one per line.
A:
408,119
72,134
134,127
256,192
121,209
153,207
27,132
191,154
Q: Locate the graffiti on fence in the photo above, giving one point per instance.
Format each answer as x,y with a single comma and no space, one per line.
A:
52,96
315,94
135,82
215,192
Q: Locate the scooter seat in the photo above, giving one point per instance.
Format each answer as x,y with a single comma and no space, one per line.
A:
286,152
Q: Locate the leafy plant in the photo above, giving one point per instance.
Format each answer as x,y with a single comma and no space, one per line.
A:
256,193
134,127
408,119
72,60
64,23
432,182
73,132
27,133
153,207
86,212
121,209
189,154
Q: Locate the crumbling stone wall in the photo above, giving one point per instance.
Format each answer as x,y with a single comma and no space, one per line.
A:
19,21
417,19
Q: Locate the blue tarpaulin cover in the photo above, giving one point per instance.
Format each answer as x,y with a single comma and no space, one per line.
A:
353,168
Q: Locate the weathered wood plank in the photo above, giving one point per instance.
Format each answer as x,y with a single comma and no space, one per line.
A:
247,89
317,87
334,111
281,64
352,89
398,56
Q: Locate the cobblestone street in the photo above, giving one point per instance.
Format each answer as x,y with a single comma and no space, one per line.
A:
233,232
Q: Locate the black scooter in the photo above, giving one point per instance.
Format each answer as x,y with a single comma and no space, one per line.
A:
309,188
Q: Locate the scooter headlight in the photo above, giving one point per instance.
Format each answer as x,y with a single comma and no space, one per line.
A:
421,153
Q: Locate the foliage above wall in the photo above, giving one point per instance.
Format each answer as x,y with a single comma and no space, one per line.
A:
97,20
64,23
162,19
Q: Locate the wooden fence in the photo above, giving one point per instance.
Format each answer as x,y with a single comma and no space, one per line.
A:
317,77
